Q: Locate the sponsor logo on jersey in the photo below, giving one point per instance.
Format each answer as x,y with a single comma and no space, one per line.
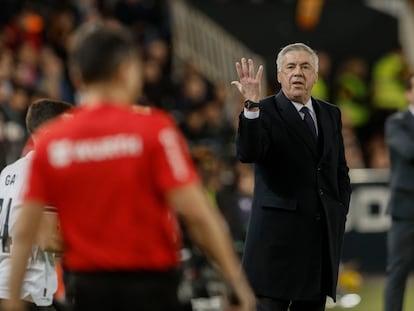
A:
169,139
64,152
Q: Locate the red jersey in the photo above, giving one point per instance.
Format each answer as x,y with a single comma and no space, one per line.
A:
107,169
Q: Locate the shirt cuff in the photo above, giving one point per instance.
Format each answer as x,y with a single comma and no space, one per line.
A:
251,114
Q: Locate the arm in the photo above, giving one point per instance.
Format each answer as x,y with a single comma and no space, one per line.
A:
252,141
344,183
207,229
49,238
398,139
25,230
249,135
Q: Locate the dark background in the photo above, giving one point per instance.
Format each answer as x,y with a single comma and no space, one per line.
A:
346,28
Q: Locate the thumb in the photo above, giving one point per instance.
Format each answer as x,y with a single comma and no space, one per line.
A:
238,85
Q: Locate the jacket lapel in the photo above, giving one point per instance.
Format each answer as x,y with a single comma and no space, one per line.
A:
294,122
325,126
409,120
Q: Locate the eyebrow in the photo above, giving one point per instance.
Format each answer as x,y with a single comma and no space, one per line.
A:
301,64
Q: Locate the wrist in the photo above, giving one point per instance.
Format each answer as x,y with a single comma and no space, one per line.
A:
251,105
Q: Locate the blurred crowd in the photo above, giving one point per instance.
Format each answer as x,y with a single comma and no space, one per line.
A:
33,63
366,93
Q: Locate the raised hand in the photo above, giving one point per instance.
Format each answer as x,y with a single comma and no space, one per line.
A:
249,83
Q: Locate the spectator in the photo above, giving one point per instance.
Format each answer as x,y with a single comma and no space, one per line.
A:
235,202
53,81
322,88
12,114
388,75
352,94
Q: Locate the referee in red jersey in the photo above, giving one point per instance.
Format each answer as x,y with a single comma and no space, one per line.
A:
120,176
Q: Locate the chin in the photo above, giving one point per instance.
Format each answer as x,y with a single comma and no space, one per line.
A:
300,99
298,95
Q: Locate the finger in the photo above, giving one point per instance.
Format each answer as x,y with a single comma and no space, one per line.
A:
239,69
259,73
238,85
244,67
251,68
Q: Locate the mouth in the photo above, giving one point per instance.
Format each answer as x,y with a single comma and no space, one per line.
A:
298,84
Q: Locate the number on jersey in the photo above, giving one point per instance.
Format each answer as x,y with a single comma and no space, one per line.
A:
6,240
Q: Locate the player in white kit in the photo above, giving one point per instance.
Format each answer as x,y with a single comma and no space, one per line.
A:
40,282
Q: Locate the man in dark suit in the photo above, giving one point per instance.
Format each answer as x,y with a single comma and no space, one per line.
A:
399,134
302,187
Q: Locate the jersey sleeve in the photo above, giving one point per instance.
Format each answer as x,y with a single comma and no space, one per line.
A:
172,163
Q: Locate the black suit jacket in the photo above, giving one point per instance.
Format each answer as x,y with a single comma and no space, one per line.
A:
301,200
399,134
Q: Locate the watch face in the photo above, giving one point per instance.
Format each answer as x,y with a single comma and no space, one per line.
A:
249,104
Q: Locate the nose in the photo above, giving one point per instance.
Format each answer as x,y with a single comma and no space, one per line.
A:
298,71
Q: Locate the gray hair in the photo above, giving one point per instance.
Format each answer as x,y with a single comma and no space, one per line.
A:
296,47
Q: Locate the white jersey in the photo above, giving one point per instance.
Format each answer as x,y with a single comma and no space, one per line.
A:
40,282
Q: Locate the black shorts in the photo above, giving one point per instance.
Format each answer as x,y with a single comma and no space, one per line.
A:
33,307
126,290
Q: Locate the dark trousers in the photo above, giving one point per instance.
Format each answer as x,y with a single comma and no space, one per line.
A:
400,244
269,304
33,307
124,291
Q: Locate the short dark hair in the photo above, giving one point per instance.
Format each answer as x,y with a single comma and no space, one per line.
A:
43,110
99,49
408,83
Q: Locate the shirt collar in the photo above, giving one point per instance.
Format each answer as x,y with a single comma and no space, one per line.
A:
309,105
411,108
